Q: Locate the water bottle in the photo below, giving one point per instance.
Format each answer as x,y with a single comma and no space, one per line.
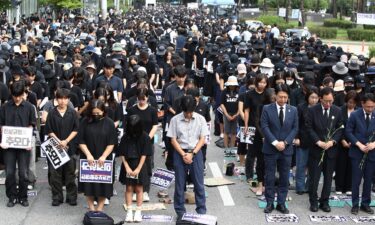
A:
224,166
156,138
290,177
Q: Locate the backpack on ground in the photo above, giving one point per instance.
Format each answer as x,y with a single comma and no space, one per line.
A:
98,218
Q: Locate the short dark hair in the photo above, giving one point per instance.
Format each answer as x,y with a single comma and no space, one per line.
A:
326,91
142,92
193,92
259,77
109,63
180,71
189,81
188,103
368,97
62,93
281,87
311,90
18,88
31,70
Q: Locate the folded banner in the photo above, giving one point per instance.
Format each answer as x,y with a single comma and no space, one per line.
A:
55,154
17,137
162,178
95,173
282,218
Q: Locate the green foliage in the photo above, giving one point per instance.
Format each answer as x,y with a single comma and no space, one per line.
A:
361,34
371,52
5,4
369,27
295,4
64,4
338,23
324,32
270,20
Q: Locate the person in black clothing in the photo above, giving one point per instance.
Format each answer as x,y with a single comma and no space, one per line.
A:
150,68
18,113
62,124
35,87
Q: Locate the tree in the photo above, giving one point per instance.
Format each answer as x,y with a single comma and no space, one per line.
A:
334,9
302,9
5,4
287,11
63,4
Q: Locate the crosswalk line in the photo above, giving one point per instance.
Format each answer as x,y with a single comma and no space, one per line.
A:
223,190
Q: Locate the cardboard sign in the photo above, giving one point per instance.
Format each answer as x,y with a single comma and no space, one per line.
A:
327,219
32,193
208,137
157,218
149,206
158,97
55,154
249,137
282,218
363,219
162,178
17,137
217,181
94,173
200,218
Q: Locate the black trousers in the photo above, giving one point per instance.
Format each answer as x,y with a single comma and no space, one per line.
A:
63,176
343,178
327,167
255,150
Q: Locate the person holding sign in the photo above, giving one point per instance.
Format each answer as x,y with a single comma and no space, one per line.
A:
279,124
96,137
17,113
135,146
188,131
62,124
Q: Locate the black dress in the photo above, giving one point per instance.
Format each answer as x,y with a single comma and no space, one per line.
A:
132,149
97,136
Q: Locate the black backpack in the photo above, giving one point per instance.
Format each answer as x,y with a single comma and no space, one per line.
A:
99,218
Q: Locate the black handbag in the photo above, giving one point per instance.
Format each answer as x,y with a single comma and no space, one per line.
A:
98,218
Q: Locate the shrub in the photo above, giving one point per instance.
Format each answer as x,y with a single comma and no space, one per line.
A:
271,20
369,27
371,52
324,32
338,23
361,34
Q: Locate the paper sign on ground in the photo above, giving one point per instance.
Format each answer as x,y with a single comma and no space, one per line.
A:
157,218
149,206
17,137
216,181
199,218
94,173
363,219
327,219
282,218
56,155
162,178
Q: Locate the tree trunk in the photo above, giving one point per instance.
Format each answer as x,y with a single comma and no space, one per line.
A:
334,8
317,9
302,9
364,5
287,11
265,6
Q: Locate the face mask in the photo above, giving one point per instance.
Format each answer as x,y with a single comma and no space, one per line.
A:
96,118
348,88
289,82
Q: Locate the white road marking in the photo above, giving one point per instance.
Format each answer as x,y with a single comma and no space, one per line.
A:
223,190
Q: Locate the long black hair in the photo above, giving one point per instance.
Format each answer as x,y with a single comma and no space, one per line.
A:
134,127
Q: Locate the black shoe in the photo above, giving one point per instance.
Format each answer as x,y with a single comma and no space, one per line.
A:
24,202
313,208
56,202
300,192
367,209
72,202
269,208
325,208
354,210
282,208
11,203
373,188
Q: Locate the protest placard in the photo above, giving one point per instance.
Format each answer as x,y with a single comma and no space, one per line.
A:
95,173
162,178
282,218
208,137
157,218
363,219
247,138
200,218
158,96
56,155
17,137
327,218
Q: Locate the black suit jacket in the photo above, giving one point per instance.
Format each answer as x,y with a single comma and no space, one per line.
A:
318,127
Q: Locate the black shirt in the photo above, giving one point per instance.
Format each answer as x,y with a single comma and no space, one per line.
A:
253,101
22,115
132,148
37,88
133,101
204,110
62,125
150,68
230,100
148,116
241,98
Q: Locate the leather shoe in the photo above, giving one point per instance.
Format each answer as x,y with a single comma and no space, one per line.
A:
11,203
56,202
24,202
325,208
72,202
300,192
367,209
282,208
269,208
313,208
354,210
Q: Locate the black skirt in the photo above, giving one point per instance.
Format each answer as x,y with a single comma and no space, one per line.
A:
143,176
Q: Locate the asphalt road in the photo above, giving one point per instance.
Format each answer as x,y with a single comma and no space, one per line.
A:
233,204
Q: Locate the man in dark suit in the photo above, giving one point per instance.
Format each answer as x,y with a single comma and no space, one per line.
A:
324,126
279,123
360,131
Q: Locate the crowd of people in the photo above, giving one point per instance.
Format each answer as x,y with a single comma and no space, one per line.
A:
303,104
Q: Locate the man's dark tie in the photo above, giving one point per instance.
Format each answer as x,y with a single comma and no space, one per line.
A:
281,116
325,114
367,119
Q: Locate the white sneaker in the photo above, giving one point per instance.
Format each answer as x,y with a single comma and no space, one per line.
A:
146,198
134,198
95,203
348,193
129,216
137,216
338,193
106,202
30,187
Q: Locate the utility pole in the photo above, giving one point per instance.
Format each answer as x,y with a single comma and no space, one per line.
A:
103,7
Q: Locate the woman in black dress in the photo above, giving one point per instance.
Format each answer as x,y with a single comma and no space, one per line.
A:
97,137
135,146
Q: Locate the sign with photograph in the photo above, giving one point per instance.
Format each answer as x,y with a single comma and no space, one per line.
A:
17,137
